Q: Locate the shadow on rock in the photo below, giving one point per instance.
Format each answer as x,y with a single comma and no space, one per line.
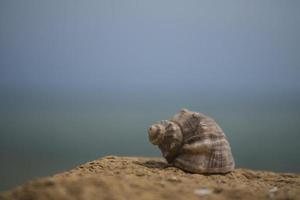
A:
154,164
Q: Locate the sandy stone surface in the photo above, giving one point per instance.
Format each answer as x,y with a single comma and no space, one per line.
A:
115,177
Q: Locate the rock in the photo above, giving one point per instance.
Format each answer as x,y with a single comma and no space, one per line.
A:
152,178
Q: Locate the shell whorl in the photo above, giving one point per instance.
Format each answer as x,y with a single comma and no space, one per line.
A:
200,144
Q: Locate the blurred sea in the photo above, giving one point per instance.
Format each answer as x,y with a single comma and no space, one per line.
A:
44,132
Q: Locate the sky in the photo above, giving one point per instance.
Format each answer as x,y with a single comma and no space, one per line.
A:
149,44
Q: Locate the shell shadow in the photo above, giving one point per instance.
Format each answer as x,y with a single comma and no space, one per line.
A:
160,164
154,164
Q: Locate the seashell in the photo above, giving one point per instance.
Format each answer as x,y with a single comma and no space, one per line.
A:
193,142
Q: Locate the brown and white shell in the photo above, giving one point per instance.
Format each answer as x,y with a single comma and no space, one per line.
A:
193,142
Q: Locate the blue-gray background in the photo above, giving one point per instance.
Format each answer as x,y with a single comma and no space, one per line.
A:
84,79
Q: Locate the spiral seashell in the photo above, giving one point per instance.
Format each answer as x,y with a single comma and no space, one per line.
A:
193,142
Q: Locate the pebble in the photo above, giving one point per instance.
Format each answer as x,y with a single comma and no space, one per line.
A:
203,192
173,179
272,191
